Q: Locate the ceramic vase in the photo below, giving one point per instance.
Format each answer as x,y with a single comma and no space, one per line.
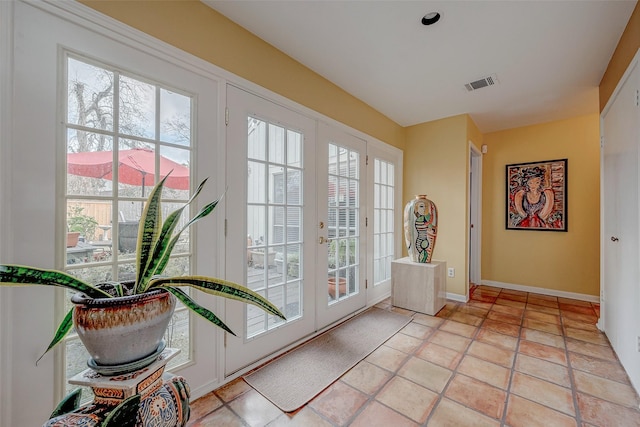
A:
123,334
420,228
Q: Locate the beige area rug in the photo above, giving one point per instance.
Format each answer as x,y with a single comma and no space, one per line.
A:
298,376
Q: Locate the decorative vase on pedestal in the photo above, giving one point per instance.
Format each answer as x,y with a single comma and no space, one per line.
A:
420,228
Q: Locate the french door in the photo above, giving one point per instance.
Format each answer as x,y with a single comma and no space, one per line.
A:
295,220
271,212
341,225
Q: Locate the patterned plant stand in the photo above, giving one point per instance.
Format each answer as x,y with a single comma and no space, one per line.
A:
146,397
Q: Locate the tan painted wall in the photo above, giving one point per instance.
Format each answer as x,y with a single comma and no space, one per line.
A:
196,28
435,161
473,133
625,51
551,260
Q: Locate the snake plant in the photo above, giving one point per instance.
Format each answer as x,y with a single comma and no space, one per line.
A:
156,240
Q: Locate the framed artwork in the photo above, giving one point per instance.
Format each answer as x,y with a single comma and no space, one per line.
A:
537,196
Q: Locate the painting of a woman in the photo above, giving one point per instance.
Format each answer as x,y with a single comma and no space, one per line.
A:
537,195
533,203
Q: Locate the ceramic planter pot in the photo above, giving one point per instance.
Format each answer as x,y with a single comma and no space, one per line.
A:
420,228
72,238
342,286
123,332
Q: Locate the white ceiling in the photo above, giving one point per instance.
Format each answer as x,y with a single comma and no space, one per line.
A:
548,56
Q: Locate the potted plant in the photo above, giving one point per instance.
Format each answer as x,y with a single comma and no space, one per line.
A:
337,260
122,323
80,223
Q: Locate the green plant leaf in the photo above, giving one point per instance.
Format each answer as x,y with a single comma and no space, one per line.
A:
219,287
206,210
18,275
163,244
195,307
148,230
63,329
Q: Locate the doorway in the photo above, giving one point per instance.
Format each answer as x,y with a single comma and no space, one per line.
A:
475,214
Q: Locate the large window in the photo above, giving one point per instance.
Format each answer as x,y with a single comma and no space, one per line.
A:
123,133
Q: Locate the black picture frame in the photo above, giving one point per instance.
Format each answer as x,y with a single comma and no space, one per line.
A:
537,196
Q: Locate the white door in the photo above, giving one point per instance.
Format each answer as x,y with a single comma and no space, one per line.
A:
384,229
270,222
621,289
341,263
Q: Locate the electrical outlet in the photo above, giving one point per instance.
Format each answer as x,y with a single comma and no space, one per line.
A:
451,272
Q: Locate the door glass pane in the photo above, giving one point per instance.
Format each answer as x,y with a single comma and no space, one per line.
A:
343,228
274,222
109,176
383,220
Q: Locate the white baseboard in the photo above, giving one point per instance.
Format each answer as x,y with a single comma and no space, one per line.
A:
457,297
543,291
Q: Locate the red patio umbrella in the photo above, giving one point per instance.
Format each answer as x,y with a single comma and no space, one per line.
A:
135,167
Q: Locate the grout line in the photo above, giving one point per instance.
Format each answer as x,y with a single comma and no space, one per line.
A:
574,388
513,366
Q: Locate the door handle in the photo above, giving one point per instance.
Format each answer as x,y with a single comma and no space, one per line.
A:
614,239
322,240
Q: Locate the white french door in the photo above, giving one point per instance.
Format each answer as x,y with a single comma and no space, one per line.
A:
270,217
341,237
297,204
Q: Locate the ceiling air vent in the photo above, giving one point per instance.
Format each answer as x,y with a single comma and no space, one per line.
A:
483,82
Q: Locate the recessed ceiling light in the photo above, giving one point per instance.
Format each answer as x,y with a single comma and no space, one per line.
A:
431,18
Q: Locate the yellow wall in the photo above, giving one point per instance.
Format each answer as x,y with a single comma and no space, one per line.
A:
551,260
625,51
435,164
196,28
473,133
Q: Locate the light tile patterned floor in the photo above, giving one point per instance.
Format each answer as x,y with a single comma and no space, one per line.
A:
505,358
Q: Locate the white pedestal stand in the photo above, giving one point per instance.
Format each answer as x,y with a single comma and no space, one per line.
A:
418,286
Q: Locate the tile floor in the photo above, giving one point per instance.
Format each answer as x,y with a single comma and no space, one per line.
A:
505,358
